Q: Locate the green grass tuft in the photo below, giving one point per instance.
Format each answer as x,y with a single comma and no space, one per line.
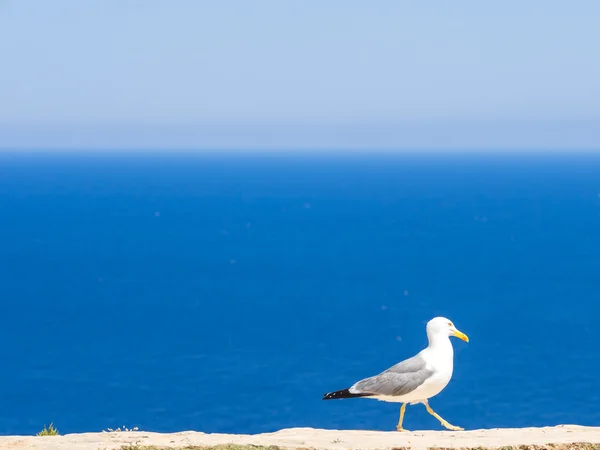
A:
50,431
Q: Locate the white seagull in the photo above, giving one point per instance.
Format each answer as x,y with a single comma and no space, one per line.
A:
416,379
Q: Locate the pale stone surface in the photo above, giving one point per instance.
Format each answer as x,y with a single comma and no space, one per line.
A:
315,438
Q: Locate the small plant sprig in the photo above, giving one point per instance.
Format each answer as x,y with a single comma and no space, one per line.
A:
48,431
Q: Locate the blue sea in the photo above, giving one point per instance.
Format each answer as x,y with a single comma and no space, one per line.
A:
228,292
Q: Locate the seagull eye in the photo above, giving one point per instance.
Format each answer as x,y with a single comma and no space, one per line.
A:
450,324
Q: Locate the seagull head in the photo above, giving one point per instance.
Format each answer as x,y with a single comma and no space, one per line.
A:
443,326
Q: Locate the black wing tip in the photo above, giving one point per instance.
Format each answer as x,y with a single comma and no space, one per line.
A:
343,393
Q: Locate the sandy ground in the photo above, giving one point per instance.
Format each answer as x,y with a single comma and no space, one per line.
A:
314,438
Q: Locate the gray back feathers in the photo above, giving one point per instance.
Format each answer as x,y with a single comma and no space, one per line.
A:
400,379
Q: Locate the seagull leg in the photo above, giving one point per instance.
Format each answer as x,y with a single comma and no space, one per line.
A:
402,410
442,421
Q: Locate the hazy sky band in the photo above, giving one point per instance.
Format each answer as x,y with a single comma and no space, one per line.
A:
384,73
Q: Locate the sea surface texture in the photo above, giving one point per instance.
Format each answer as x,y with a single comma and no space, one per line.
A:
228,293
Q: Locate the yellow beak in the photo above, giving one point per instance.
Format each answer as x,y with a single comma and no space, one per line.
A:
461,335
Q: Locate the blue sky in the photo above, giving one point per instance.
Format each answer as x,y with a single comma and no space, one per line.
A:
299,74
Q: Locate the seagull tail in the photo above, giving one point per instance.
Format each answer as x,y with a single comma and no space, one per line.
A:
343,393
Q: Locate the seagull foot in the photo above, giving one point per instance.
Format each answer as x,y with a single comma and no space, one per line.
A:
401,429
452,427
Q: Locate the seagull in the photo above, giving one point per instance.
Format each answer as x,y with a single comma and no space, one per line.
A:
416,379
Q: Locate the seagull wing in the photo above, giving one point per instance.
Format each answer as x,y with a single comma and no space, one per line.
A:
400,379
